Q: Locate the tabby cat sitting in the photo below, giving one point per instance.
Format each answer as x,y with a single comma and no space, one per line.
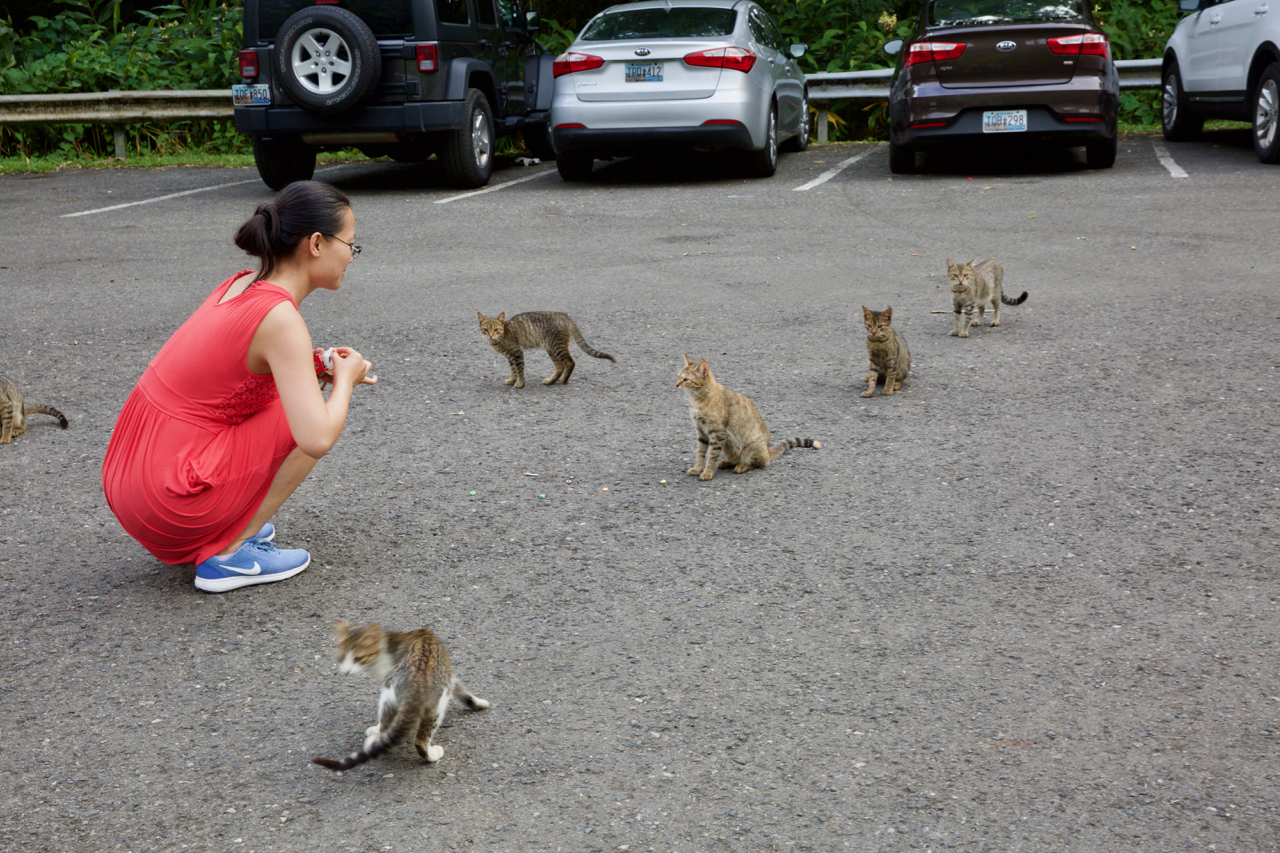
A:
887,350
13,414
727,423
417,680
548,330
973,286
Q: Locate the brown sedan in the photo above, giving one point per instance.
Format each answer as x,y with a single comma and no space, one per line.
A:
998,71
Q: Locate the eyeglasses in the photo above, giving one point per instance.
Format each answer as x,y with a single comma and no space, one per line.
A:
355,250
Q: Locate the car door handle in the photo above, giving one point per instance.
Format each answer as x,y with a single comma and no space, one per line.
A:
484,43
1215,20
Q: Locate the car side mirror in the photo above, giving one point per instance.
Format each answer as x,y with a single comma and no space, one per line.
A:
798,50
893,46
533,21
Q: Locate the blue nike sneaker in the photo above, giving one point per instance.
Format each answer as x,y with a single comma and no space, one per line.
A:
257,561
267,533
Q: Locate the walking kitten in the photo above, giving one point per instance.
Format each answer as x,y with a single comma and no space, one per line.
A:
727,422
887,350
417,680
548,330
13,414
973,286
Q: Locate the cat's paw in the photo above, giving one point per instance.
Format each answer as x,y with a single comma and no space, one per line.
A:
887,390
372,731
509,382
551,380
995,323
741,469
434,753
520,384
953,333
706,475
694,471
479,704
868,393
964,334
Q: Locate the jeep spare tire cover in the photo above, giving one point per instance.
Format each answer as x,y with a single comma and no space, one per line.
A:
327,59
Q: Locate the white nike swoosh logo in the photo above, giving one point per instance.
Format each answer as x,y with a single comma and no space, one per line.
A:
254,571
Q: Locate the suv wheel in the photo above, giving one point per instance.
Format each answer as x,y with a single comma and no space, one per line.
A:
327,59
763,163
902,160
1176,119
1266,114
800,141
282,160
468,151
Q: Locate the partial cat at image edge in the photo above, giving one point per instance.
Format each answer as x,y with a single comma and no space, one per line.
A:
13,414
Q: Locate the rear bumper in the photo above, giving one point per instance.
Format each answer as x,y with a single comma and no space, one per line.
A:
1043,125
1092,100
640,140
407,118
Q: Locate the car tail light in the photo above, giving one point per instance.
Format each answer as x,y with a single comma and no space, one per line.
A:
1087,44
933,51
248,64
1084,118
923,124
721,121
327,2
572,63
733,58
428,56
570,126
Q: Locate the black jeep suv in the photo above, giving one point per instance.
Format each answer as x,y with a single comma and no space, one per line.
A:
401,78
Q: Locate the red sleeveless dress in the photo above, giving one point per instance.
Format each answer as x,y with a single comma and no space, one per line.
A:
200,438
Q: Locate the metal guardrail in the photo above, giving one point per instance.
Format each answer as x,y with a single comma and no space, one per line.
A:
827,88
116,108
121,108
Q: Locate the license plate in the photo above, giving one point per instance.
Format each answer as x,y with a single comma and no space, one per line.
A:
1004,121
644,72
256,95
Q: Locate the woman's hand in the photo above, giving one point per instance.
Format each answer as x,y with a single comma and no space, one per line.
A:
351,367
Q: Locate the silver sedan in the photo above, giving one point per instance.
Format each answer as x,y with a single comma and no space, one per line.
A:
678,74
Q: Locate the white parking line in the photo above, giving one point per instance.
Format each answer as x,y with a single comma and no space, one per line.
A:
831,173
1165,160
179,195
496,187
157,198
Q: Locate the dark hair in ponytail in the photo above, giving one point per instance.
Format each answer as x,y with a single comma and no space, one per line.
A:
299,210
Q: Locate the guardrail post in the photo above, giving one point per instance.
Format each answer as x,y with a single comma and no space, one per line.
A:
122,142
822,124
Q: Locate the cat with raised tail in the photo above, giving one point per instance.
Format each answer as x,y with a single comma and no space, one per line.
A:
548,330
887,351
13,413
727,423
973,285
417,680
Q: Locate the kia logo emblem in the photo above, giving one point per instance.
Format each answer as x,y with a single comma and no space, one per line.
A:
1006,46
644,51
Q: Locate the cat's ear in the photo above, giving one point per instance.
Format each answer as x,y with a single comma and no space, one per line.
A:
971,263
341,627
704,368
887,313
949,264
687,361
502,318
866,313
482,317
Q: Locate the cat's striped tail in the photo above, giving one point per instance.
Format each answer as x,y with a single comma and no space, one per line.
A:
392,736
594,353
1007,301
783,446
36,409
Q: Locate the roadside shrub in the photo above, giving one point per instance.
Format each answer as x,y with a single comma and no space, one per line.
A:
87,47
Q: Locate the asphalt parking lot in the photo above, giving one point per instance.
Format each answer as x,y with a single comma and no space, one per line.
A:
1029,603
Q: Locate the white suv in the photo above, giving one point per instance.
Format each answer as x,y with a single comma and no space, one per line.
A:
1223,62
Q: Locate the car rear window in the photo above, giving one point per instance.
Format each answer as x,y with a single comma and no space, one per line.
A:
676,22
384,17
953,13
